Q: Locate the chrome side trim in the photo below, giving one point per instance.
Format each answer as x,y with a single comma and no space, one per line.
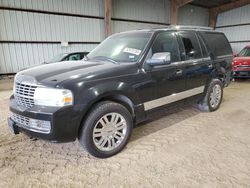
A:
225,56
172,98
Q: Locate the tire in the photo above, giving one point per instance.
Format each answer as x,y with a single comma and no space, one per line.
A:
211,102
98,122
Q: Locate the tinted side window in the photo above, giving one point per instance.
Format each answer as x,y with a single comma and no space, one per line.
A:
217,43
74,57
83,55
191,45
166,42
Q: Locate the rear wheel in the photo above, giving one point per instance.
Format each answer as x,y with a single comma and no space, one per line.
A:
106,129
213,97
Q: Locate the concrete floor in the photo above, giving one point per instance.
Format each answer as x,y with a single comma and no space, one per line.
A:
182,148
6,83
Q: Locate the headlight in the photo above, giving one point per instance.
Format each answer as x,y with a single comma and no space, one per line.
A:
53,97
14,86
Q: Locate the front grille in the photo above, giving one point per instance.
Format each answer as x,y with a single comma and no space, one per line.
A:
24,94
21,120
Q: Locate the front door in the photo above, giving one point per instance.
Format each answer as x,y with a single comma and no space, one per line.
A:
169,79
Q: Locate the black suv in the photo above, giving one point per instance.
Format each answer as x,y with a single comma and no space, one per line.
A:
99,99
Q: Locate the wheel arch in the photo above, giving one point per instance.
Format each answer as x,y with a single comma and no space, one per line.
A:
117,97
220,72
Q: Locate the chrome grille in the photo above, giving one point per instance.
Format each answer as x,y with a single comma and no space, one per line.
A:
24,94
23,121
24,90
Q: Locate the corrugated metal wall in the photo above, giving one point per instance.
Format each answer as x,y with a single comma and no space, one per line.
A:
31,30
88,7
143,13
15,57
34,29
26,26
147,10
119,26
155,11
193,15
236,25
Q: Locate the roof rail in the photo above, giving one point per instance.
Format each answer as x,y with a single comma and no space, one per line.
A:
191,27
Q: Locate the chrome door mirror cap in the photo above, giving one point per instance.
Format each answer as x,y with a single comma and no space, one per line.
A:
158,59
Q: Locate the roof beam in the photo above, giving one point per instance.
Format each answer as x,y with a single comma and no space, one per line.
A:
181,3
222,8
175,5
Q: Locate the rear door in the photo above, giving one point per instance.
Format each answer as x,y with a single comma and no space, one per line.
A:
220,51
196,61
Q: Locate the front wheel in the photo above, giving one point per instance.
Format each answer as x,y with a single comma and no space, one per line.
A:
106,129
213,96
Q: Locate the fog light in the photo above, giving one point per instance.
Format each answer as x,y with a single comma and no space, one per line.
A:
39,125
34,125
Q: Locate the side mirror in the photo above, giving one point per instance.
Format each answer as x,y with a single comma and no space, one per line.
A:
158,59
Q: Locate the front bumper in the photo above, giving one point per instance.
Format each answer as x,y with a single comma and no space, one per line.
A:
64,121
241,74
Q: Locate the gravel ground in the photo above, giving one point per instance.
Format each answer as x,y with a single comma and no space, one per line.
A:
180,148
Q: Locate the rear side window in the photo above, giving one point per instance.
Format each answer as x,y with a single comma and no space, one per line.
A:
217,43
191,45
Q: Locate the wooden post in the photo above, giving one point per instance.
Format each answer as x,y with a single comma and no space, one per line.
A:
175,5
173,13
212,18
222,8
107,17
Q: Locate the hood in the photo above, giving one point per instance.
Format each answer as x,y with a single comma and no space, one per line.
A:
241,61
56,73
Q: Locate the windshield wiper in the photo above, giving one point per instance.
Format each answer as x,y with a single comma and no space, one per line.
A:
105,58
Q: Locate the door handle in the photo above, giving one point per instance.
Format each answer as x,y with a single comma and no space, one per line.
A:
178,72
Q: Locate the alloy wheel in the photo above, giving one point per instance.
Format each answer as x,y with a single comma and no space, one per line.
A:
109,131
215,96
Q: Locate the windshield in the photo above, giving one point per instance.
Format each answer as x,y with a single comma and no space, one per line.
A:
124,47
57,58
245,52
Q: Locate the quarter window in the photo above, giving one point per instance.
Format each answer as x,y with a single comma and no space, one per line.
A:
217,43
